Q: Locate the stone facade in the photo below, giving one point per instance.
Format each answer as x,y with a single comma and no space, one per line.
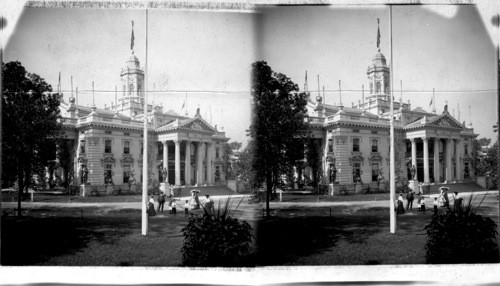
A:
356,140
109,141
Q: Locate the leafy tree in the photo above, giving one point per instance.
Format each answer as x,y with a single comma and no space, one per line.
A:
30,122
235,145
484,141
243,170
226,162
278,124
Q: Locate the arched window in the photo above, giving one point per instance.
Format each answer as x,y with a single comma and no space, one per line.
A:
138,90
124,90
131,89
377,86
371,88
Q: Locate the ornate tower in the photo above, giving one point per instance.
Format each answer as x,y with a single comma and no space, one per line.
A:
132,75
378,74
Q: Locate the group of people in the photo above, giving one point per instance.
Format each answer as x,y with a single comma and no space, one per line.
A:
444,200
441,201
409,202
192,203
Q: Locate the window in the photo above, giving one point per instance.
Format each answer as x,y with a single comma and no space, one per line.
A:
138,89
355,130
356,172
330,145
82,146
108,132
374,132
160,149
131,89
355,144
216,152
142,148
107,145
374,145
126,134
126,147
466,149
126,173
374,172
108,173
378,87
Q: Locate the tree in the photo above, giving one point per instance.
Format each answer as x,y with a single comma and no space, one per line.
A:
484,141
30,122
278,124
226,162
243,170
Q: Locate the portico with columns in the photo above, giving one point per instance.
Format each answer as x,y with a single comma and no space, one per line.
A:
191,152
439,148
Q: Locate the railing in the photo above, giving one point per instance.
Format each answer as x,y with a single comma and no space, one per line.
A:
68,120
311,119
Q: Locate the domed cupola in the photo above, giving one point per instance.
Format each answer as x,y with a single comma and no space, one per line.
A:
379,60
133,62
378,75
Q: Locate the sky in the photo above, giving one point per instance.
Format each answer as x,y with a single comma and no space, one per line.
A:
200,57
443,47
207,55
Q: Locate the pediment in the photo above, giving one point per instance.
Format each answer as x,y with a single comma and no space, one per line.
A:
446,121
198,125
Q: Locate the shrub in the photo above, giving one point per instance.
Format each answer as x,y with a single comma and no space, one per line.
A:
461,236
216,240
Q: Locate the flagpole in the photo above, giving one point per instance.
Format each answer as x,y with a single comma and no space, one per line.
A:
145,138
392,153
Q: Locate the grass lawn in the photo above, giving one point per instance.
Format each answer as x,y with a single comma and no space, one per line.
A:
61,236
297,235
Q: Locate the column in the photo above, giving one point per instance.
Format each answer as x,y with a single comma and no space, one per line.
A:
177,162
209,163
187,167
437,174
449,154
199,163
414,157
458,167
165,159
426,159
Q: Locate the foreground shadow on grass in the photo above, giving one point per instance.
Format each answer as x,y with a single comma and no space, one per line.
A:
281,240
32,240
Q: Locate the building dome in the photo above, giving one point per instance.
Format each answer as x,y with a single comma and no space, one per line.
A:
133,62
379,60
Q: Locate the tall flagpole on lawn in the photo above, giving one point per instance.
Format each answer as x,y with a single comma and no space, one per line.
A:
145,138
392,154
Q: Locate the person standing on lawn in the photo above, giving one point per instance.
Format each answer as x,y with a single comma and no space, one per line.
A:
436,205
209,205
186,208
457,201
409,200
400,207
151,206
161,201
422,204
174,207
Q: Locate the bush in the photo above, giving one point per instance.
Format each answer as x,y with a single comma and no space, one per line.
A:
461,236
216,240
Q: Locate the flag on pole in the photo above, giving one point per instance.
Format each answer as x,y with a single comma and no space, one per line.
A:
132,38
183,104
432,100
378,33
